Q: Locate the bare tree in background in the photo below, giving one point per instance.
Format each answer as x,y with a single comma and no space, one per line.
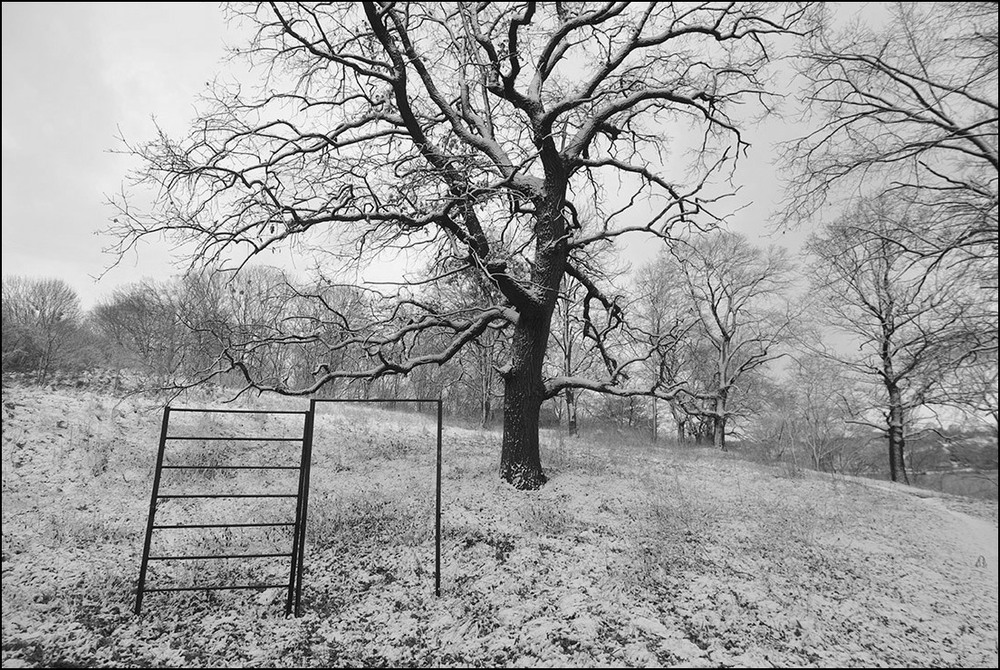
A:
42,323
662,325
732,292
825,398
910,321
568,355
489,134
474,379
140,323
908,114
910,106
981,393
583,341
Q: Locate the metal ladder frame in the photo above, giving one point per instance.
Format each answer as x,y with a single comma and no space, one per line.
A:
294,585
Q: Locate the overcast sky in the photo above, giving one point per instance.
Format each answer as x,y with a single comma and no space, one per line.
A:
76,75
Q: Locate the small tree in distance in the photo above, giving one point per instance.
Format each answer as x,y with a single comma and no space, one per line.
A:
479,134
141,323
42,326
731,294
909,319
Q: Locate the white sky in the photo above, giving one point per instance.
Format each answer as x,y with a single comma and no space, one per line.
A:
73,75
76,75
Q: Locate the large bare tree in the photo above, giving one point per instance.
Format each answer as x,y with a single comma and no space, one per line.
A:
509,137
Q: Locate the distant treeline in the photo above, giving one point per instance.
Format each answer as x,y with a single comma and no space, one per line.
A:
218,328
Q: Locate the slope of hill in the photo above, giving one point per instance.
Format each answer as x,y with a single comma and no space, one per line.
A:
630,556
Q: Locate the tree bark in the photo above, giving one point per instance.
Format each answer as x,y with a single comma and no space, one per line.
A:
487,412
895,417
719,421
681,419
571,425
721,394
704,431
486,385
719,432
654,417
520,463
897,438
524,387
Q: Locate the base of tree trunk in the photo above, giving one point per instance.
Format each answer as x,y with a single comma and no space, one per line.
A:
523,478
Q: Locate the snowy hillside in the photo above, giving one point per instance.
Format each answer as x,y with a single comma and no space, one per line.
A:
630,556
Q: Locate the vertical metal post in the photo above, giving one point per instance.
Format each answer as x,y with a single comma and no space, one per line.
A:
303,503
299,518
152,509
437,511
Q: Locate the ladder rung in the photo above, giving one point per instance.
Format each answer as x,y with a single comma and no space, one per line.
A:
200,558
225,525
238,411
231,467
234,439
374,400
217,588
230,495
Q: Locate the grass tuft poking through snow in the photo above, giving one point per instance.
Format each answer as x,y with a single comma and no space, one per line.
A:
632,555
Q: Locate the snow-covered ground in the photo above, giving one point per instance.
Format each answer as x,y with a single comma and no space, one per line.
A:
632,555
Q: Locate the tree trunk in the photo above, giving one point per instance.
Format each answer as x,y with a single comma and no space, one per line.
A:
487,412
705,431
571,426
520,464
719,422
719,432
681,419
524,388
897,439
44,364
486,385
654,417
